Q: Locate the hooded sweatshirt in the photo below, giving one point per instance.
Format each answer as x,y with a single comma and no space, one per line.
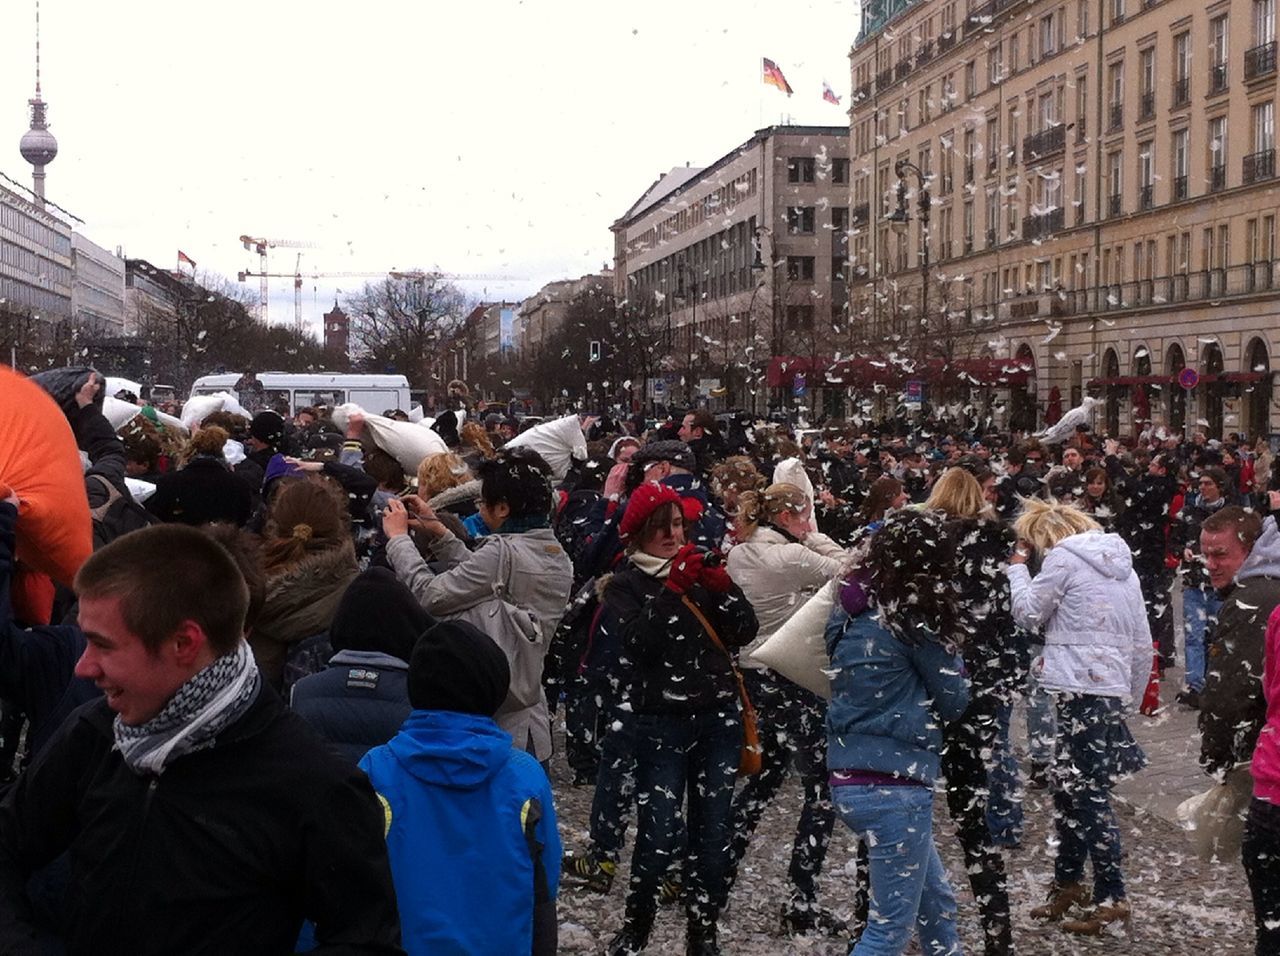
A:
1089,603
460,804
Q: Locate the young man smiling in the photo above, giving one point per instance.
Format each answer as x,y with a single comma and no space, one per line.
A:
196,813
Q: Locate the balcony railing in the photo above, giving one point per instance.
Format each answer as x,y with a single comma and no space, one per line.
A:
946,41
860,213
1079,204
1217,79
901,69
1113,205
1043,225
1217,177
1145,196
1038,146
968,172
991,238
925,53
968,244
1182,92
1115,119
861,93
993,165
1179,188
884,78
1260,61
1259,166
1147,106
1260,276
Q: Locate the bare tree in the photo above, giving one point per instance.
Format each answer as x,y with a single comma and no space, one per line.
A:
398,323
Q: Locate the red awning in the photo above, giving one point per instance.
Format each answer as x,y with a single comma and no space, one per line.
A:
1129,380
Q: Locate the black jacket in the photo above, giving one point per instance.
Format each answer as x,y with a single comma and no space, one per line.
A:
357,703
992,647
675,668
226,852
1146,516
205,490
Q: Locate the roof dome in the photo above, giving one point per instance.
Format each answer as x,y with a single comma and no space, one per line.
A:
38,147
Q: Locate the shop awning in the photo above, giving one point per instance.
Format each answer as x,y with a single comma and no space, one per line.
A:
822,371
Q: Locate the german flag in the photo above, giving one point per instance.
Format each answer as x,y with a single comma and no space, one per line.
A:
773,76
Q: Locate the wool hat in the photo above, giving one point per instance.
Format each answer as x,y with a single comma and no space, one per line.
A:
378,613
456,666
676,452
277,467
647,499
268,428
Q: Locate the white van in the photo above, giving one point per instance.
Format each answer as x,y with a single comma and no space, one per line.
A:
286,392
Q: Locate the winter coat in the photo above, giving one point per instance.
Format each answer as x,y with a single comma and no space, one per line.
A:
300,603
1232,705
466,813
1144,524
226,852
1066,484
1088,601
540,581
357,703
777,574
990,645
204,490
1266,755
889,698
710,529
671,664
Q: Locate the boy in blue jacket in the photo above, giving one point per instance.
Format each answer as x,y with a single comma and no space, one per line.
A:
470,825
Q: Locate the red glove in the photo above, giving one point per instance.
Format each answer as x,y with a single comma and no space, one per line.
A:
686,569
1151,699
715,578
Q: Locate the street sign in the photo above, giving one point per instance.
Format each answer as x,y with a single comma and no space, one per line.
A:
1188,378
915,392
798,385
659,388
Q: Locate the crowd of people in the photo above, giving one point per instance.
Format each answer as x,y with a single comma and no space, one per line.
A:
306,695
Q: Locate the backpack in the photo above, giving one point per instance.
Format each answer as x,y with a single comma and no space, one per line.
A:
117,516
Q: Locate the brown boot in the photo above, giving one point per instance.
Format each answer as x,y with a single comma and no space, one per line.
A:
1061,899
1099,918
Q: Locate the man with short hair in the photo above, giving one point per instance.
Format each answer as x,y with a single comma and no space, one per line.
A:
196,813
701,432
1066,481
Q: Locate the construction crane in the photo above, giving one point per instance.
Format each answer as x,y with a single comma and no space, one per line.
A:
416,275
260,246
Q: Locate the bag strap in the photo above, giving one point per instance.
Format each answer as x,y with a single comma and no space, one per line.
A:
100,512
715,639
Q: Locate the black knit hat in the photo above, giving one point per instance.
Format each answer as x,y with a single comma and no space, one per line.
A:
378,613
676,452
268,428
456,666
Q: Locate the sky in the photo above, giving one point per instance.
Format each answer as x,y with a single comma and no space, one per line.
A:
495,137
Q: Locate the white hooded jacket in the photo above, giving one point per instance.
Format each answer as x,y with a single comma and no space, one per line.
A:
1089,603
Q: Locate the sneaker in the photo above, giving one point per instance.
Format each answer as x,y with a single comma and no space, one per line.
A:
671,891
588,872
1189,697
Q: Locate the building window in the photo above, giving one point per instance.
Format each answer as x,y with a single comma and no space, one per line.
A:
993,145
1146,175
968,226
1011,209
1115,83
1013,54
1048,35
800,268
995,70
1181,164
799,317
1082,18
944,234
1115,182
1078,199
970,148
1261,163
800,220
1218,75
1264,21
1117,11
1147,78
1182,69
1082,108
840,171
1217,153
1011,155
970,80
800,169
993,216
904,118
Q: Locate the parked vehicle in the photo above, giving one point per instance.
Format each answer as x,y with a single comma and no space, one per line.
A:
286,392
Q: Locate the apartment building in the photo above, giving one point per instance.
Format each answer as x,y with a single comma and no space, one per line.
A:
97,286
1103,192
35,259
543,314
735,272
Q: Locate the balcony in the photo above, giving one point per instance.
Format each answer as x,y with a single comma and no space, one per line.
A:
901,69
947,41
884,79
1146,196
1113,205
925,53
1179,188
991,239
1217,79
1259,166
1043,225
1260,276
1260,61
860,213
1147,106
993,165
968,244
1079,204
968,172
862,93
1115,117
1038,146
1217,177
1181,92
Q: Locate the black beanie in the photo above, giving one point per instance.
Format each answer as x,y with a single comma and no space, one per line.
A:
456,666
378,613
268,428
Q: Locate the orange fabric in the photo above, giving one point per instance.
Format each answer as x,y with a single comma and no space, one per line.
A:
31,594
40,462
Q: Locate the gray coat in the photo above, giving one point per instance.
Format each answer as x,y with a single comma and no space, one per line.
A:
536,589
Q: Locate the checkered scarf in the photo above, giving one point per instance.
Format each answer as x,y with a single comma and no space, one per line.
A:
201,709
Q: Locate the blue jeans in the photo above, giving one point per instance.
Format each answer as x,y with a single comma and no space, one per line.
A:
909,888
615,785
1041,724
1004,800
697,753
1199,607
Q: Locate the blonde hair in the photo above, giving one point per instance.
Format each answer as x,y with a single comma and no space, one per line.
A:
957,494
473,433
440,472
1045,523
757,506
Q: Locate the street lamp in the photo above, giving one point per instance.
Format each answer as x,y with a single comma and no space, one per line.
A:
900,219
758,265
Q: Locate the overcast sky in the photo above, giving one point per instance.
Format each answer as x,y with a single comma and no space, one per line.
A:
485,137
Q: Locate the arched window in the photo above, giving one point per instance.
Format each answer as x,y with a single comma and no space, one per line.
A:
1114,392
1257,394
1211,389
1174,362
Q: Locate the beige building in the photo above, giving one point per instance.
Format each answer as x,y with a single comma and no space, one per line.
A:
1104,202
732,276
541,315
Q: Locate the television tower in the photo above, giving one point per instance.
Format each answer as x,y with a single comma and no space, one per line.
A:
38,147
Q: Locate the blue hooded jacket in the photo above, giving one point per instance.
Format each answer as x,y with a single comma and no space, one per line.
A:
460,803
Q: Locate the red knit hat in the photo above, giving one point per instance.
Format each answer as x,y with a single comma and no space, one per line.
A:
647,499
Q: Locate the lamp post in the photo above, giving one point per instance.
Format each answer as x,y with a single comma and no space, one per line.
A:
900,219
758,266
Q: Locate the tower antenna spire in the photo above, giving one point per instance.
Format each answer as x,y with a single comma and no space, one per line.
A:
38,146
